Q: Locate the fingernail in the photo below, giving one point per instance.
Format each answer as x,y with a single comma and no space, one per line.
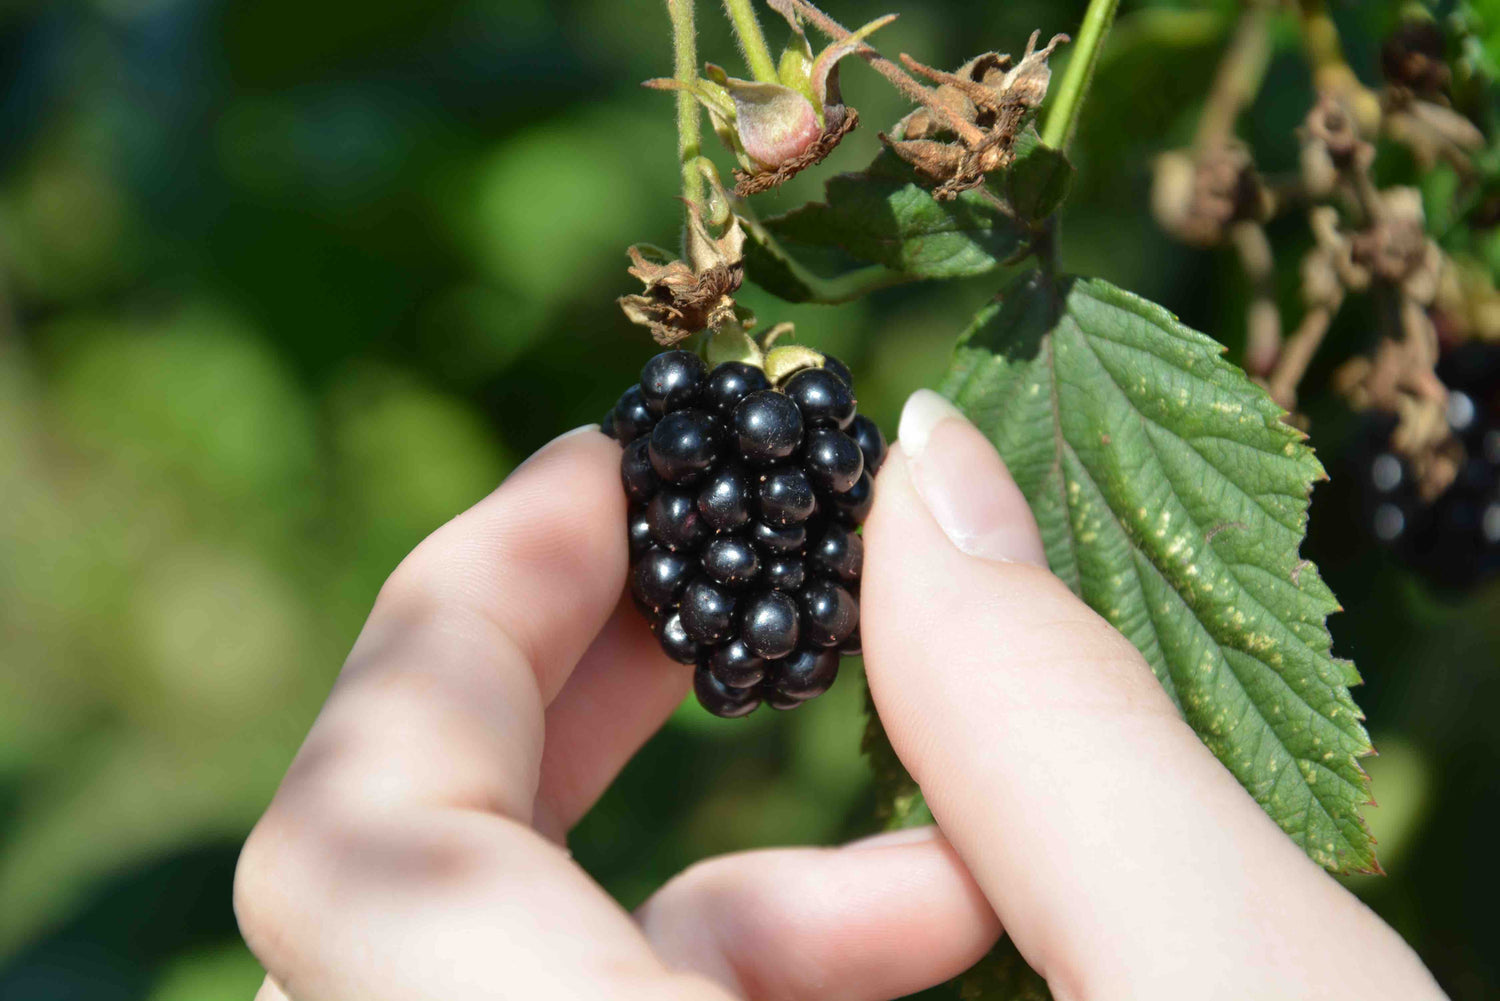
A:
964,483
905,836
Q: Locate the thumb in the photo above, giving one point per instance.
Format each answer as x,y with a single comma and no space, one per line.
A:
1121,857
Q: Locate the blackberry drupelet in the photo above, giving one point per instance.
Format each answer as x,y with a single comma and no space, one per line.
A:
745,501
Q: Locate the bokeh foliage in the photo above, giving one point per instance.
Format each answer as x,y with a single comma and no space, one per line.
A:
285,285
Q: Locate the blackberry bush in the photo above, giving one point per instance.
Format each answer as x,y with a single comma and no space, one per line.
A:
746,497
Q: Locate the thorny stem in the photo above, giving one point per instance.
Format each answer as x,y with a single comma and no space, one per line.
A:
685,72
1297,355
752,41
902,80
1238,78
1062,120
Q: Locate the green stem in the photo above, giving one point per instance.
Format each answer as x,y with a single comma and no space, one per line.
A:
1062,120
752,42
685,71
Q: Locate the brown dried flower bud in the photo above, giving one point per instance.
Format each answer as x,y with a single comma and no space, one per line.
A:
1196,197
983,105
1333,127
679,301
1395,248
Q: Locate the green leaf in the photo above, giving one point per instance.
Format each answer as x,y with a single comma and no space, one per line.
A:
881,217
1171,496
1039,179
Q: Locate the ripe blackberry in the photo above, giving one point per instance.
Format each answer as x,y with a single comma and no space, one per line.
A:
1454,539
745,500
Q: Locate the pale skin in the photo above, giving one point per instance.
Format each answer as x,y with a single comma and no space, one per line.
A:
416,849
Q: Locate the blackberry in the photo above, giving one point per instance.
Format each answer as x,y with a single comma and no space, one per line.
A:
745,501
1453,540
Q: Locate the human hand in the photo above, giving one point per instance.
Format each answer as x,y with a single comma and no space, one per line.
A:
414,850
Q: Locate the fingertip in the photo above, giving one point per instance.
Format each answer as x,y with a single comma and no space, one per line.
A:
964,484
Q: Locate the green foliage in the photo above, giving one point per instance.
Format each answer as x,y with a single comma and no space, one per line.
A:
1039,179
1002,973
1171,496
882,216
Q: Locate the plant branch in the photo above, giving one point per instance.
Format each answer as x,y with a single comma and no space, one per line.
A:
1297,355
752,41
689,125
1238,78
903,81
1062,120
1262,318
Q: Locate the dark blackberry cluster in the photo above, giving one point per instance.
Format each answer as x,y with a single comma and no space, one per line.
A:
745,500
1454,540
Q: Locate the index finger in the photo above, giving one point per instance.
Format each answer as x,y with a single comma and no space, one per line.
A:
1122,858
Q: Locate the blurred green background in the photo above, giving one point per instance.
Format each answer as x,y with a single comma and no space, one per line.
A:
284,285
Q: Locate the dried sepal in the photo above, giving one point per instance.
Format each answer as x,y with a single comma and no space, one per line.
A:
679,301
983,105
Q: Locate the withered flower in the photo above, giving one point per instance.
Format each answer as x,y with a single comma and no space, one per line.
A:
1197,196
777,129
1396,248
983,105
678,300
